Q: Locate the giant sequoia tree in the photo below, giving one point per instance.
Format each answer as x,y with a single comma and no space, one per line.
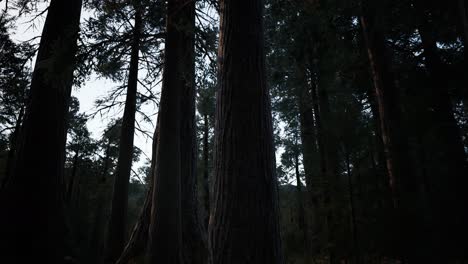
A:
368,106
244,219
32,199
165,230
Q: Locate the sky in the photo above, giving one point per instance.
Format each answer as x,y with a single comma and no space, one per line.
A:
91,90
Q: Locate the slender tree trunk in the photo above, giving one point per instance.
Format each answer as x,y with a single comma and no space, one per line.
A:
31,202
194,243
356,248
117,225
166,231
72,182
244,223
206,171
323,184
309,147
377,155
106,161
308,137
301,215
13,146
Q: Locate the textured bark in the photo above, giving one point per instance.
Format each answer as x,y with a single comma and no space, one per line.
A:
31,201
244,224
387,100
117,225
401,181
194,244
448,197
165,233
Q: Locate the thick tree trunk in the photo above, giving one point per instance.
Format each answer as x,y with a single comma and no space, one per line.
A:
334,199
117,225
448,197
166,231
244,221
387,101
401,181
194,243
31,202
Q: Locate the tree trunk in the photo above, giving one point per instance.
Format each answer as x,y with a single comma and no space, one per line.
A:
307,126
448,195
194,243
334,197
387,101
323,184
401,182
117,225
166,232
106,160
31,201
13,146
301,215
244,221
206,172
356,248
72,181
136,245
309,148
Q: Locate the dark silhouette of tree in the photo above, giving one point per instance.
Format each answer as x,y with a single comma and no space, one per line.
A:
34,190
244,224
166,231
